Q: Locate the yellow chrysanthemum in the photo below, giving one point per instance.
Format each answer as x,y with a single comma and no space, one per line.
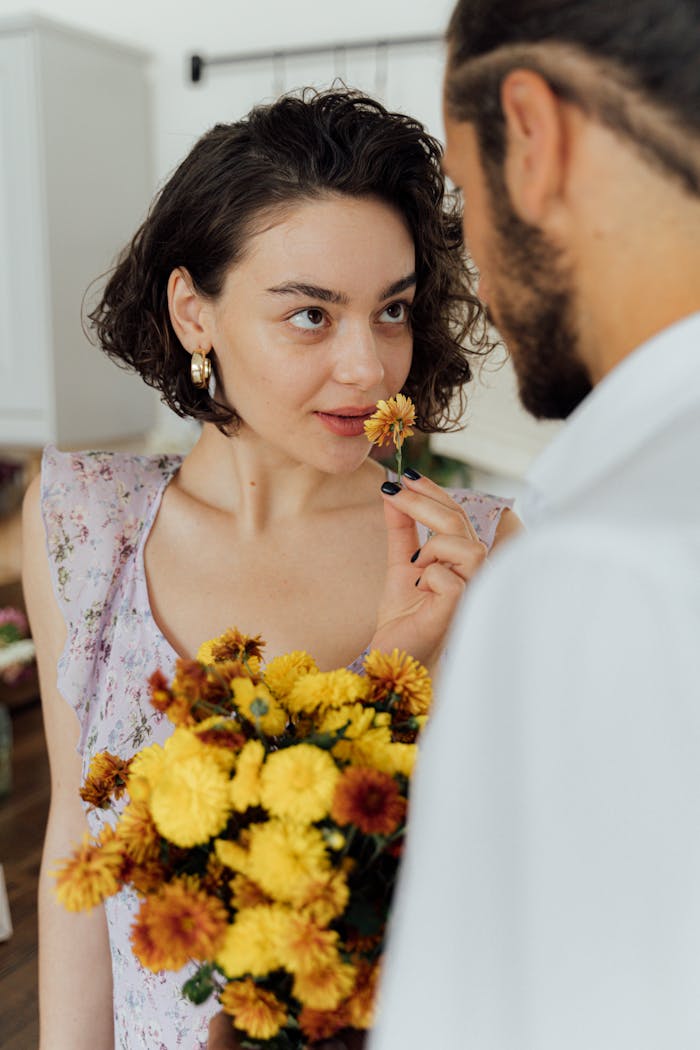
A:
251,942
145,771
299,783
398,758
254,1010
325,899
326,987
257,704
355,719
392,421
233,855
92,874
179,923
304,945
138,833
318,692
398,675
283,858
282,672
245,786
190,802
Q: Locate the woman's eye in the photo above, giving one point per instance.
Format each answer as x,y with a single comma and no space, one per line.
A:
395,313
309,319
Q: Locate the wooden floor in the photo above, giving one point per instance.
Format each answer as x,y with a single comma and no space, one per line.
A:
22,821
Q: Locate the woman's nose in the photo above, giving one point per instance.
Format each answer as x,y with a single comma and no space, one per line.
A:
358,362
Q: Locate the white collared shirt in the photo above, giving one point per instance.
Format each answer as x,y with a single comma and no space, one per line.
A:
550,894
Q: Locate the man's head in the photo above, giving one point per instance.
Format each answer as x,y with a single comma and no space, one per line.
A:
563,116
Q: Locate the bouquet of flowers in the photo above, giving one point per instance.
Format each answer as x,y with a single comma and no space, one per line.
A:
264,838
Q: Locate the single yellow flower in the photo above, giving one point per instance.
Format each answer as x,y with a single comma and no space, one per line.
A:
298,782
145,771
245,786
190,802
138,833
91,874
232,645
283,857
256,703
251,942
254,1010
392,421
317,692
282,672
399,676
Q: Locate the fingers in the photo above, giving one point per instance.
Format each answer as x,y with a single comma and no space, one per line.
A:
426,502
402,534
463,556
221,1033
442,582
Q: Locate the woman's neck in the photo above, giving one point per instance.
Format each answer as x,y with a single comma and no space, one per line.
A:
263,486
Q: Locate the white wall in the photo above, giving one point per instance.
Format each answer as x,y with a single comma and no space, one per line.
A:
182,111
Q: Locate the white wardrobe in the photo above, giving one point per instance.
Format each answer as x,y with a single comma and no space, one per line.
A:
75,182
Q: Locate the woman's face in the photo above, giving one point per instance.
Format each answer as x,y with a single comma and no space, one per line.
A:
312,327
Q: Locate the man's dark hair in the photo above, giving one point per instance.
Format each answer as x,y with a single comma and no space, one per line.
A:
239,176
635,67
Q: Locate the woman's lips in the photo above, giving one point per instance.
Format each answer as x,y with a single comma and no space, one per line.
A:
347,422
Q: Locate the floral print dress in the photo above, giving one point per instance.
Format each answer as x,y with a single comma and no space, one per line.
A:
98,510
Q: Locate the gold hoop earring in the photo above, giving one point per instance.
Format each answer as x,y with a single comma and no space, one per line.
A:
200,369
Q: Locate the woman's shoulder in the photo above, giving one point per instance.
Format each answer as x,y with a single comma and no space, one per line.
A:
100,475
94,506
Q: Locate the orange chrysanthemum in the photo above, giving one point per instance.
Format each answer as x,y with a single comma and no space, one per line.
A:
326,987
305,946
322,1024
92,874
360,1007
399,677
369,799
392,421
138,833
254,1010
106,779
179,923
234,645
145,878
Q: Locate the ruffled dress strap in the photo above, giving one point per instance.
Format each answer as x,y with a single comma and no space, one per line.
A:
94,506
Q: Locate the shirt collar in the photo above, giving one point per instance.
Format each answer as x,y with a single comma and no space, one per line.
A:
651,386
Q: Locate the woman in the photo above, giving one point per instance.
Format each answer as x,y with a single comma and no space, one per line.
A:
307,254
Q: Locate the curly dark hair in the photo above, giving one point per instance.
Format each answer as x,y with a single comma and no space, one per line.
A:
301,147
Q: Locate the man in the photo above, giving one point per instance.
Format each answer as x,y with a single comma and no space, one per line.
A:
550,898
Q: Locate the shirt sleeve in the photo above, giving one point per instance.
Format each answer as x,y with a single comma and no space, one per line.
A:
549,895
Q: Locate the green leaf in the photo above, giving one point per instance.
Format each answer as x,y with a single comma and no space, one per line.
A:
200,986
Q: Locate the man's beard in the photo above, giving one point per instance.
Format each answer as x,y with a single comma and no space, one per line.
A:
534,312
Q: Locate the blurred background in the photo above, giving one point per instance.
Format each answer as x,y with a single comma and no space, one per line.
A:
97,105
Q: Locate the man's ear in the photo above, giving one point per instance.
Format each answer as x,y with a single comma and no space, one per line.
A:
189,313
535,144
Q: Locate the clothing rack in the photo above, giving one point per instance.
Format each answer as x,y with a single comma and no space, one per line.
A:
198,63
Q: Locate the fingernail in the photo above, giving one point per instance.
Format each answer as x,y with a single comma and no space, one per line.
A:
418,581
390,488
412,474
414,557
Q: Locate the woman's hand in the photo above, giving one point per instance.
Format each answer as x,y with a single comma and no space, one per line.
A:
223,1037
423,588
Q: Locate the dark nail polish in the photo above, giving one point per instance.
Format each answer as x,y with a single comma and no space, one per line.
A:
414,557
390,488
418,581
412,474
